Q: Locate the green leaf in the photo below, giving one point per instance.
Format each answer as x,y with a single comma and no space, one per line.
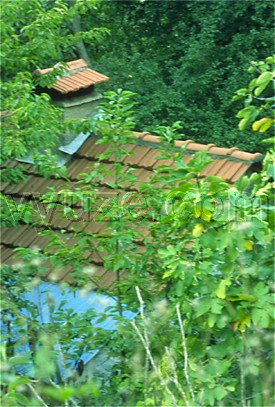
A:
197,210
179,288
61,393
198,229
19,381
23,400
206,215
202,307
242,297
220,393
260,318
19,360
266,125
212,320
216,307
243,123
246,112
192,364
265,77
220,292
260,88
260,289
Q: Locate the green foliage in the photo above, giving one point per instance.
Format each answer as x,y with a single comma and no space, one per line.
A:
203,335
36,34
259,97
184,59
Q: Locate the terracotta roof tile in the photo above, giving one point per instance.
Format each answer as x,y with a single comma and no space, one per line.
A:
187,159
78,76
15,188
9,164
94,150
167,163
143,175
149,137
228,169
33,186
94,227
6,253
180,143
150,158
215,167
11,234
247,156
221,151
229,163
136,159
241,171
57,219
4,186
76,168
40,241
128,151
191,146
233,170
27,237
87,147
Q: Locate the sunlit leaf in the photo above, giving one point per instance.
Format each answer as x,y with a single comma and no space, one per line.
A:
198,229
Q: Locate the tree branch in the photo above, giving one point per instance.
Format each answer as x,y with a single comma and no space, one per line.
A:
36,394
185,352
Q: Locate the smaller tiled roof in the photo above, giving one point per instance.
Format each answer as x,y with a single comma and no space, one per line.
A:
78,76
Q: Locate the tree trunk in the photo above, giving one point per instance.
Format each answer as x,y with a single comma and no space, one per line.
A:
76,28
81,49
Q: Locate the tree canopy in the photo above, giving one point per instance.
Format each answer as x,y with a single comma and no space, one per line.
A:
185,59
201,288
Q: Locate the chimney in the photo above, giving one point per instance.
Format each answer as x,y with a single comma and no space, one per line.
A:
75,93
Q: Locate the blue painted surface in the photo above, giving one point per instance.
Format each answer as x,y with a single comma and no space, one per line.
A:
46,295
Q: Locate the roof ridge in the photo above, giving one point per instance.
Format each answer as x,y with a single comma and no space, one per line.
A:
190,145
70,66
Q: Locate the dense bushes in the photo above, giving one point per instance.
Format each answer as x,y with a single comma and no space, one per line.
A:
185,60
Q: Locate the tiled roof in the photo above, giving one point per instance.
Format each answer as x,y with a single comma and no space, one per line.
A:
78,76
229,163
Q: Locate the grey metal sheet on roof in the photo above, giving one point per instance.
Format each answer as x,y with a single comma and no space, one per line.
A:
77,142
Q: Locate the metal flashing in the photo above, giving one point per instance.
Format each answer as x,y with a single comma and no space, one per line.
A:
75,144
62,159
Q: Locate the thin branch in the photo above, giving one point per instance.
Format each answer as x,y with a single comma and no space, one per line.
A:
269,98
62,359
58,387
146,370
175,379
242,367
146,336
37,395
185,352
153,363
63,363
146,343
